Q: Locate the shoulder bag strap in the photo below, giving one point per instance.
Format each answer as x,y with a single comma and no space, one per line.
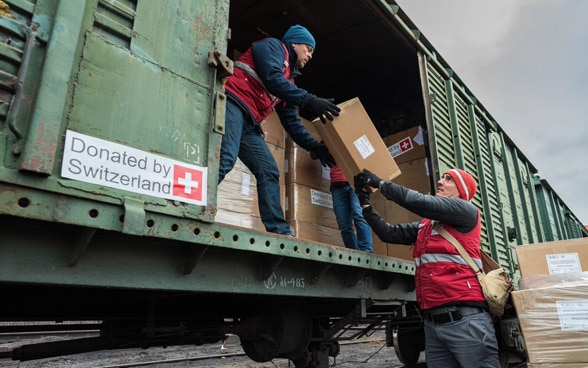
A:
444,233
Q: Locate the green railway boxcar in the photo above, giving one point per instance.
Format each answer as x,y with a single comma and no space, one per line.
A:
106,104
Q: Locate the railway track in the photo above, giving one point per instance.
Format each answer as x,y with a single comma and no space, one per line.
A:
231,355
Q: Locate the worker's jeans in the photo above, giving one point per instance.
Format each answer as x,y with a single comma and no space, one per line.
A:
242,140
348,212
467,343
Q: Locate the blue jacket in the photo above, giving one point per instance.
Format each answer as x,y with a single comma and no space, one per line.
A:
269,58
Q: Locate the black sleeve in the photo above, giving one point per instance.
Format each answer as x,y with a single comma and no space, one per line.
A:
460,214
288,115
397,234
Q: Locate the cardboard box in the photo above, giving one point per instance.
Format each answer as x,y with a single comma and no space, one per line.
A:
379,248
552,258
554,323
301,169
414,176
355,143
310,205
274,132
407,145
316,233
400,251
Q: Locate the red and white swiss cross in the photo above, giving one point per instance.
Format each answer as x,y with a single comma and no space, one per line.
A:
405,145
188,183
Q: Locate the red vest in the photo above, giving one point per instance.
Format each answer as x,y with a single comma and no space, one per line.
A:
439,277
247,87
337,175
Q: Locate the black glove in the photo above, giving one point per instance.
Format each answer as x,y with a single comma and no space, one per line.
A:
321,107
321,152
369,178
362,195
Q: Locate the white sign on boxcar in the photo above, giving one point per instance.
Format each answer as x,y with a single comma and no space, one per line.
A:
101,162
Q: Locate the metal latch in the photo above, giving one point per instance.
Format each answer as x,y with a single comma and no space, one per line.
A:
134,220
222,63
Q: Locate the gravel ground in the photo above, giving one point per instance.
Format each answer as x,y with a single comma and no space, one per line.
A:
371,353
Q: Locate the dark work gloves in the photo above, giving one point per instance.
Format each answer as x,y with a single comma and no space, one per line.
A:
321,107
364,197
321,152
369,178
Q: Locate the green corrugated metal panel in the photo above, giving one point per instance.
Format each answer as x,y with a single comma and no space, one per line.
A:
113,77
22,49
514,198
494,239
112,72
461,141
443,133
548,214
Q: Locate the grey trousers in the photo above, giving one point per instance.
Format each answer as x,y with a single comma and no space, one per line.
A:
467,343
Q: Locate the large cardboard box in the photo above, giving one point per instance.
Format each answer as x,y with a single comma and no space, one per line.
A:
553,258
301,168
273,131
310,205
407,145
414,176
355,143
316,233
554,323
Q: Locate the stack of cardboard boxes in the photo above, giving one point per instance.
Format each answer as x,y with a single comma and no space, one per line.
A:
552,303
309,205
355,144
408,149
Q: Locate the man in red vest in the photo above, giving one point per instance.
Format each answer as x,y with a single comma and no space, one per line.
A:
459,332
263,80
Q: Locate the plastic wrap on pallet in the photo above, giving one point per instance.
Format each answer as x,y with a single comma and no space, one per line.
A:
560,280
554,318
555,365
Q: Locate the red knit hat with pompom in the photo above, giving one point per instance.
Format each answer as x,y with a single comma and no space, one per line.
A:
466,185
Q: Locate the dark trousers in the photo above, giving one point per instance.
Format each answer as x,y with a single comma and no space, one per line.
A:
467,343
243,140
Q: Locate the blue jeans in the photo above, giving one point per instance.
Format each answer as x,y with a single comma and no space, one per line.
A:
242,140
348,212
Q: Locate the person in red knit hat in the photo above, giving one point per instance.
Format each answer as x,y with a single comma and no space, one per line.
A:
459,331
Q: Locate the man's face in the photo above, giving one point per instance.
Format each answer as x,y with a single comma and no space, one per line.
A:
446,187
303,54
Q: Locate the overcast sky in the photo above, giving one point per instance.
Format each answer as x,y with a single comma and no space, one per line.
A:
526,61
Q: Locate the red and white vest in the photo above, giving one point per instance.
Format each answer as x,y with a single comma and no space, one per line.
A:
246,85
442,275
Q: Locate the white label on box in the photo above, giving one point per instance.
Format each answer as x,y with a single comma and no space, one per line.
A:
245,181
573,315
419,139
326,173
321,198
364,147
563,263
401,147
